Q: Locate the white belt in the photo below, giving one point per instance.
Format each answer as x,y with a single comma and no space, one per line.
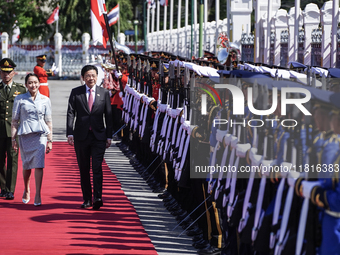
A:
333,214
43,84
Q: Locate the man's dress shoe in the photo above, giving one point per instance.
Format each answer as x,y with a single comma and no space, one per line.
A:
3,193
10,196
98,202
211,250
165,194
86,204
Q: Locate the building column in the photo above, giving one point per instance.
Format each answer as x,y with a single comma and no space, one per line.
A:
4,44
326,23
58,40
281,24
311,20
241,14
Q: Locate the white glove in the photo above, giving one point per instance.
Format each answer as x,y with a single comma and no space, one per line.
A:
241,150
285,166
54,69
227,139
256,160
252,154
118,74
307,187
121,94
292,176
220,134
265,169
234,141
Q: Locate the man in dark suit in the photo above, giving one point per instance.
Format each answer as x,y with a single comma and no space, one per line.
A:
89,105
8,91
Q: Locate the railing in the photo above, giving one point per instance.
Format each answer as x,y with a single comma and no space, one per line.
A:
24,55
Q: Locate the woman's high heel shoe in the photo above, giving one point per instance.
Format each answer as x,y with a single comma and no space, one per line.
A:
25,201
37,203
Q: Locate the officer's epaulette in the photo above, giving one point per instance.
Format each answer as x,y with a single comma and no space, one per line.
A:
328,134
334,138
18,84
318,136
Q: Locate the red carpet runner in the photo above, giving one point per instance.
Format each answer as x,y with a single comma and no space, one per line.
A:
59,226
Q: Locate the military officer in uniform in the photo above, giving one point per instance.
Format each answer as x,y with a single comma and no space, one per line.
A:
8,91
42,74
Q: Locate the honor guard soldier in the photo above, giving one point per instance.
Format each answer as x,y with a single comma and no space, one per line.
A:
154,65
324,193
43,74
8,91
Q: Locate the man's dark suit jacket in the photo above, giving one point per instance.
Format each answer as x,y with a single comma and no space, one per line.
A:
79,117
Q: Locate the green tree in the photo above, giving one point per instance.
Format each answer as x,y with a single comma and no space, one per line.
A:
30,16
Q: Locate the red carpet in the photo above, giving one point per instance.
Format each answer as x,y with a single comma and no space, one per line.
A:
60,226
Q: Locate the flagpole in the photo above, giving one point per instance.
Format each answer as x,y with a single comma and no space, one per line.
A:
111,44
57,25
118,20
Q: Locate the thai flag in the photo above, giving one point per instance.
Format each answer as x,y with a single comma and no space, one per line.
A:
163,2
54,16
151,4
113,15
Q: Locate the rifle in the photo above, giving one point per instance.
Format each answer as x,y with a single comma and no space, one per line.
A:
134,69
148,79
139,77
186,87
129,64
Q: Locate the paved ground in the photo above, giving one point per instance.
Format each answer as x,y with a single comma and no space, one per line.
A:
157,221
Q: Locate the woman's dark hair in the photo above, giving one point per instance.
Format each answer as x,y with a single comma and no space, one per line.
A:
88,68
29,75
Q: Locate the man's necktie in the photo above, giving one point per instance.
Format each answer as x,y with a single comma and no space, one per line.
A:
7,90
90,101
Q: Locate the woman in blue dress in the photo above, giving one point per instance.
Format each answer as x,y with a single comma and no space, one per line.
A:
32,123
